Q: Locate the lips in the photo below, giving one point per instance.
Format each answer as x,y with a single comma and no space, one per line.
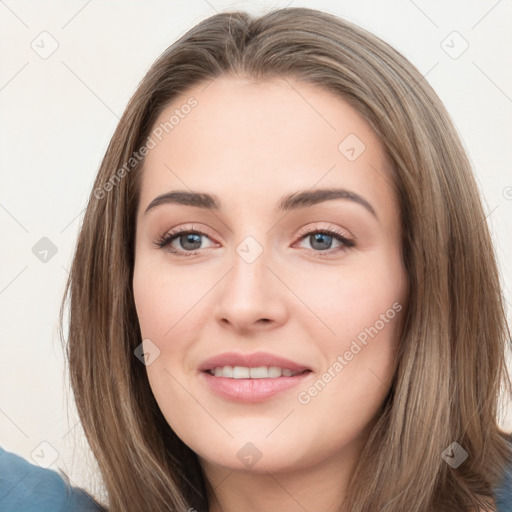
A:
251,390
254,360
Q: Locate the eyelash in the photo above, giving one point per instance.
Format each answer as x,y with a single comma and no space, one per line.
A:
167,238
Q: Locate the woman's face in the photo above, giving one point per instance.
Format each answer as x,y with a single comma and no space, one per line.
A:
259,272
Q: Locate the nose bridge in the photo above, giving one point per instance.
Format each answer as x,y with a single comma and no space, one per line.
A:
252,248
249,294
250,261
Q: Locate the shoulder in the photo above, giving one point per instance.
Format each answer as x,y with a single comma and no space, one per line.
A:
25,486
504,491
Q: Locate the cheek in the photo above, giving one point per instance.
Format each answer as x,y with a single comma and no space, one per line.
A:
365,310
149,299
170,303
162,298
354,298
162,314
363,307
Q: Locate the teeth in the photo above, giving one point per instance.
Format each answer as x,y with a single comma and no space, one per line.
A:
244,372
274,371
241,372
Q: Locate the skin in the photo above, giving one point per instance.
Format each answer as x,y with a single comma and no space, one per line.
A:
250,143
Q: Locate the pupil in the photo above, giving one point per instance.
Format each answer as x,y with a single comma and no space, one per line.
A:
190,239
318,237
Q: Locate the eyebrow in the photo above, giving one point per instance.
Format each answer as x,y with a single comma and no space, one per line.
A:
294,201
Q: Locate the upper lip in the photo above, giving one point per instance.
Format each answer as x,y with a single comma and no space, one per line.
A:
253,360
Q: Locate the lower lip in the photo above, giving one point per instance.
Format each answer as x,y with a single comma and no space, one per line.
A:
251,390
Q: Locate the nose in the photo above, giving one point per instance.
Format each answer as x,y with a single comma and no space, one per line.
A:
251,296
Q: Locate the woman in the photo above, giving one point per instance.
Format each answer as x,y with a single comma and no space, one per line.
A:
358,372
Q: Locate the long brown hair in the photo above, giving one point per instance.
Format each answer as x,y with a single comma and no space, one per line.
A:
451,359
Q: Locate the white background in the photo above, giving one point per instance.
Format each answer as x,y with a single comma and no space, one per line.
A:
57,117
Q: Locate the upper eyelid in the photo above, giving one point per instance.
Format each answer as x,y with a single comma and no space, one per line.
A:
190,228
303,231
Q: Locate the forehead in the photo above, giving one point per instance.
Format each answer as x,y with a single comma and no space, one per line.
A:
237,137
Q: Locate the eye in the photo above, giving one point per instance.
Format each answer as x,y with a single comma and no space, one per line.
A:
321,241
188,238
